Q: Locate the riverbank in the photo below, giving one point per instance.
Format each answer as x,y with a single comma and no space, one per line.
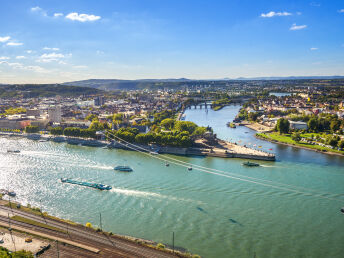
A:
222,149
289,142
258,127
34,222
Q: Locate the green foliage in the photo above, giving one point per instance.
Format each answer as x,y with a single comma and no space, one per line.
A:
4,253
56,131
160,246
12,111
44,90
168,123
335,125
201,130
91,117
158,117
252,116
296,137
31,129
77,132
282,125
96,125
118,118
341,144
185,126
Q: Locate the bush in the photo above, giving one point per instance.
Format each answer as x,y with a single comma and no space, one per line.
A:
160,246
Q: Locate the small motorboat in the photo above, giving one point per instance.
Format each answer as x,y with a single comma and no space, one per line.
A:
189,168
123,168
250,164
167,165
342,210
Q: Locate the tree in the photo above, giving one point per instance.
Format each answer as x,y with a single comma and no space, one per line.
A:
56,131
185,126
313,124
333,141
96,125
335,125
341,144
296,137
118,118
31,129
167,123
253,116
282,125
91,117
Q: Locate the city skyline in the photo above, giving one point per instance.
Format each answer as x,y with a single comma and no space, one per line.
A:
48,42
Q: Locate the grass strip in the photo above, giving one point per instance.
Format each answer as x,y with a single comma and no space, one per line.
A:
36,223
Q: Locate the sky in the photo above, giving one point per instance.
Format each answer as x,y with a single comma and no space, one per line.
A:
53,41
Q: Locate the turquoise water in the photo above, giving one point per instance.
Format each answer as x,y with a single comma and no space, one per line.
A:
226,213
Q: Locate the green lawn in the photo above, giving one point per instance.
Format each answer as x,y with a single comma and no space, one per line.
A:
286,138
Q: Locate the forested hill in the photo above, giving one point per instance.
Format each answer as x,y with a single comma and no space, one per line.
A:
44,90
114,84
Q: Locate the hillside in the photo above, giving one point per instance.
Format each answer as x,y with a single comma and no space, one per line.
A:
44,90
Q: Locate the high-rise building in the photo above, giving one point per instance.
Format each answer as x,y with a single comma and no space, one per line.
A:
55,114
99,101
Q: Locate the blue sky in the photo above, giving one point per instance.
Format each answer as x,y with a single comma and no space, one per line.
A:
55,41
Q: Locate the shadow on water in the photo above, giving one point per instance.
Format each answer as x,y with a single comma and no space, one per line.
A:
201,209
235,222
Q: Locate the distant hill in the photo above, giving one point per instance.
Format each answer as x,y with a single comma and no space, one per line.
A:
115,84
44,90
291,78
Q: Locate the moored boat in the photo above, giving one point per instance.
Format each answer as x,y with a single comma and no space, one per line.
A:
250,164
123,168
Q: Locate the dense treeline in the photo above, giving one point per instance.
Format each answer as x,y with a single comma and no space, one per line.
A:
73,131
44,90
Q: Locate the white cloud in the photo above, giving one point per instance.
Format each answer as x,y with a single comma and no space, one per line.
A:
4,39
47,58
297,27
341,11
4,58
52,55
36,9
14,44
314,48
82,17
272,14
51,48
58,14
20,57
29,51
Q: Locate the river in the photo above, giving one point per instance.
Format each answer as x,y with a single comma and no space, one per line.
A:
287,208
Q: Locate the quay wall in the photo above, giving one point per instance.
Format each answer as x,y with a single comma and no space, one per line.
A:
162,150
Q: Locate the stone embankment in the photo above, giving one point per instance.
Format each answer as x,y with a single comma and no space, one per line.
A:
223,149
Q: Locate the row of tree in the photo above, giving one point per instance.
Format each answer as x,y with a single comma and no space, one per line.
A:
73,131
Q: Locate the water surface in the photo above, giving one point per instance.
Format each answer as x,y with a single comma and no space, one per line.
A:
287,208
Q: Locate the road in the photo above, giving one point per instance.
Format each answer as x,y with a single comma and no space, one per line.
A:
109,246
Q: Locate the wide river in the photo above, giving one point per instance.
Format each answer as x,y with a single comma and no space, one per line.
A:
287,208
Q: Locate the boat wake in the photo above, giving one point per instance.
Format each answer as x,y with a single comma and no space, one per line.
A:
144,194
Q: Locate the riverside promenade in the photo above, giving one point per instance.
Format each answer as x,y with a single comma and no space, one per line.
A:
221,148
